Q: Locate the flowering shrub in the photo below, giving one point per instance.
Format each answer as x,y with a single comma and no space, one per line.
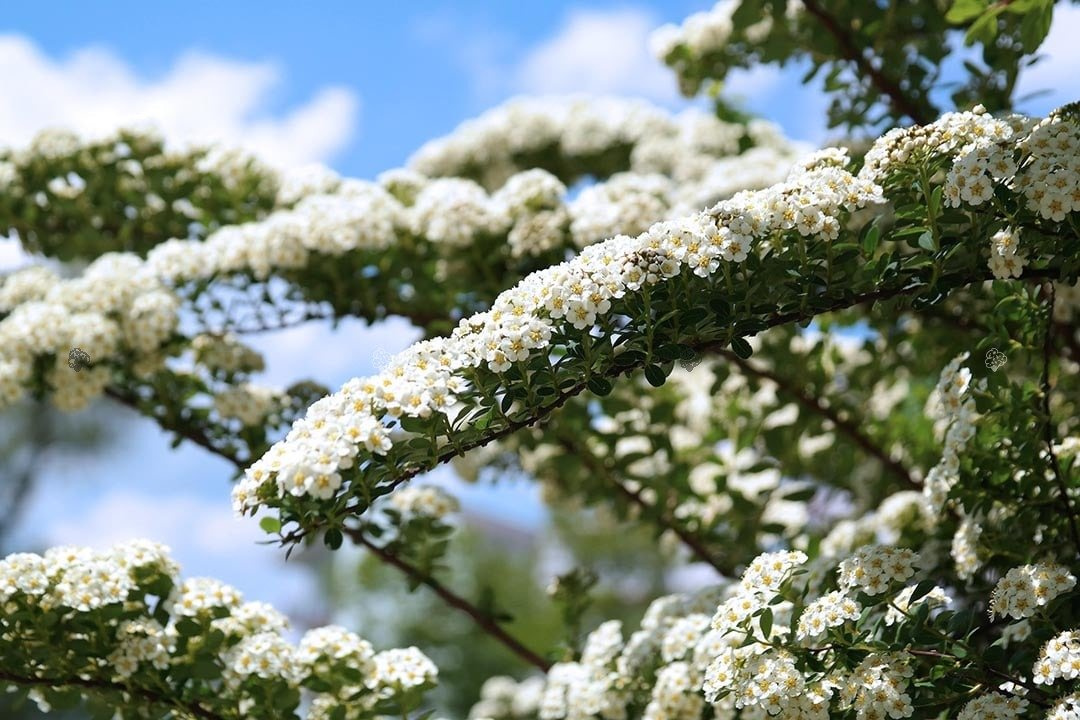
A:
128,630
889,521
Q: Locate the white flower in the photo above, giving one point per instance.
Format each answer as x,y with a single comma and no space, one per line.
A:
400,670
1026,588
993,706
873,568
1059,659
830,610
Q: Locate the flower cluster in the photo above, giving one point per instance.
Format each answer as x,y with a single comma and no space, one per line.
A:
424,501
1050,168
522,320
116,311
993,706
873,568
1027,588
503,698
755,675
401,670
73,197
1005,261
567,130
706,33
1067,709
577,690
1059,659
249,403
954,134
902,603
225,354
952,406
754,660
127,604
830,610
877,687
901,512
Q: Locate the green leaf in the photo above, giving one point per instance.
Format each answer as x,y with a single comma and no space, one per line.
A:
206,670
484,420
921,590
741,348
270,524
188,627
964,10
655,375
985,29
333,538
766,622
1035,27
599,386
801,495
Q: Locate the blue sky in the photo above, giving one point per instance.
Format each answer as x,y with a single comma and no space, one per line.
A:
417,68
358,86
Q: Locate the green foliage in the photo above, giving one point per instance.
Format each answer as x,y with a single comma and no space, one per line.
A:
77,200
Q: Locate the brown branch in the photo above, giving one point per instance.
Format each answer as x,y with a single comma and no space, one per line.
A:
1048,423
193,709
1038,698
887,86
814,405
482,620
191,434
657,513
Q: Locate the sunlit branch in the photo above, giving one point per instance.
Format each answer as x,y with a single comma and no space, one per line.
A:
482,620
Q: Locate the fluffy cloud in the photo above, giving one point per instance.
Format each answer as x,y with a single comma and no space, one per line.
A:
598,51
202,98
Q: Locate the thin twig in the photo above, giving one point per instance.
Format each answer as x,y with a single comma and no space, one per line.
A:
386,556
994,671
482,620
192,709
190,434
887,86
814,404
1048,424
657,514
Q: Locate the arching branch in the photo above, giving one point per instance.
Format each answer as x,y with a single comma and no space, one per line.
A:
541,413
482,620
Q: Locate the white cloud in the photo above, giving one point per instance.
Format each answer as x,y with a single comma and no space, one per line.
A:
598,52
1057,71
202,98
606,52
